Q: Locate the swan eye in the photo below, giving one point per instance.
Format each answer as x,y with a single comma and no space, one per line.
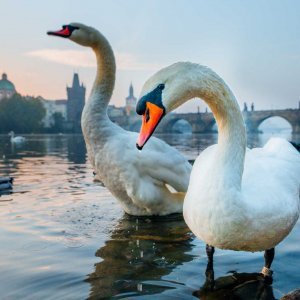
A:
140,107
161,86
72,28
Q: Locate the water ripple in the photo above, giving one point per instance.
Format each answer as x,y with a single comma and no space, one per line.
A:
63,236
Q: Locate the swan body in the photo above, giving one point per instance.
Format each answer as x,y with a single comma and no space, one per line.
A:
16,139
238,199
139,180
255,217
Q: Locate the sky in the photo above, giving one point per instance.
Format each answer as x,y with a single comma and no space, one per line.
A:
254,46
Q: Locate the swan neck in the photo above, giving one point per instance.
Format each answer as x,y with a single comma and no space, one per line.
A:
105,76
231,142
230,154
94,120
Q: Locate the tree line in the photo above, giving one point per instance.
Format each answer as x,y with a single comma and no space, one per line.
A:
21,114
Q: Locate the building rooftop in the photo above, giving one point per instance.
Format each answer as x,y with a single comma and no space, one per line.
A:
5,84
61,101
131,94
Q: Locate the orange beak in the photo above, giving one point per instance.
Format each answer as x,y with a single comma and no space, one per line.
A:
150,119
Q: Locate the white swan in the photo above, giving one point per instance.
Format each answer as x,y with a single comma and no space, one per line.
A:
237,199
16,139
138,180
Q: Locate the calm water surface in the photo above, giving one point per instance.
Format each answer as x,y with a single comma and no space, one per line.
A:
63,236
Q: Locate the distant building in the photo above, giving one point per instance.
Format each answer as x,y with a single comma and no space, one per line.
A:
52,107
114,111
70,109
130,102
75,104
7,88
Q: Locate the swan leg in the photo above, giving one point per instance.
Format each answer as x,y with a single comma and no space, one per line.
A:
269,256
209,273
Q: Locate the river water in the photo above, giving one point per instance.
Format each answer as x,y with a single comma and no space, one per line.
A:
63,236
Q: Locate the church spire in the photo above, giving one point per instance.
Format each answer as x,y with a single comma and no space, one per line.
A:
75,80
131,90
130,102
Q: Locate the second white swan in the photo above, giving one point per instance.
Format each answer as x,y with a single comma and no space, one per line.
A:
237,199
138,180
16,139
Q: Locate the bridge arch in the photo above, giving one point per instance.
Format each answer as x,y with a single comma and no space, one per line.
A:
259,122
254,119
169,125
211,126
182,126
284,124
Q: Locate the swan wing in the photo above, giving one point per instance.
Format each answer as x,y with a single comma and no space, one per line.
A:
159,176
165,164
271,179
18,139
143,175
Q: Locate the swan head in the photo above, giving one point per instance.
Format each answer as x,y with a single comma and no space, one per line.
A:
163,92
78,33
151,108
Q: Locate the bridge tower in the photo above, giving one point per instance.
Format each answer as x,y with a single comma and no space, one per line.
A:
75,103
130,102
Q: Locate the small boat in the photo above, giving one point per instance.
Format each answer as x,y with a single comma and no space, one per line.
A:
6,184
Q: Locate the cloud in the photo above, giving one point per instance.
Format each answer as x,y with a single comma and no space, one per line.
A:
86,59
66,57
127,61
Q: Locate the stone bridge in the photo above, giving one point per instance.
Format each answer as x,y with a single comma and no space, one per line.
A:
254,118
205,122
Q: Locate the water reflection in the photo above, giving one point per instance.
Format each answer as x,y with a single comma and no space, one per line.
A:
140,249
76,149
42,145
57,218
237,286
138,260
32,146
